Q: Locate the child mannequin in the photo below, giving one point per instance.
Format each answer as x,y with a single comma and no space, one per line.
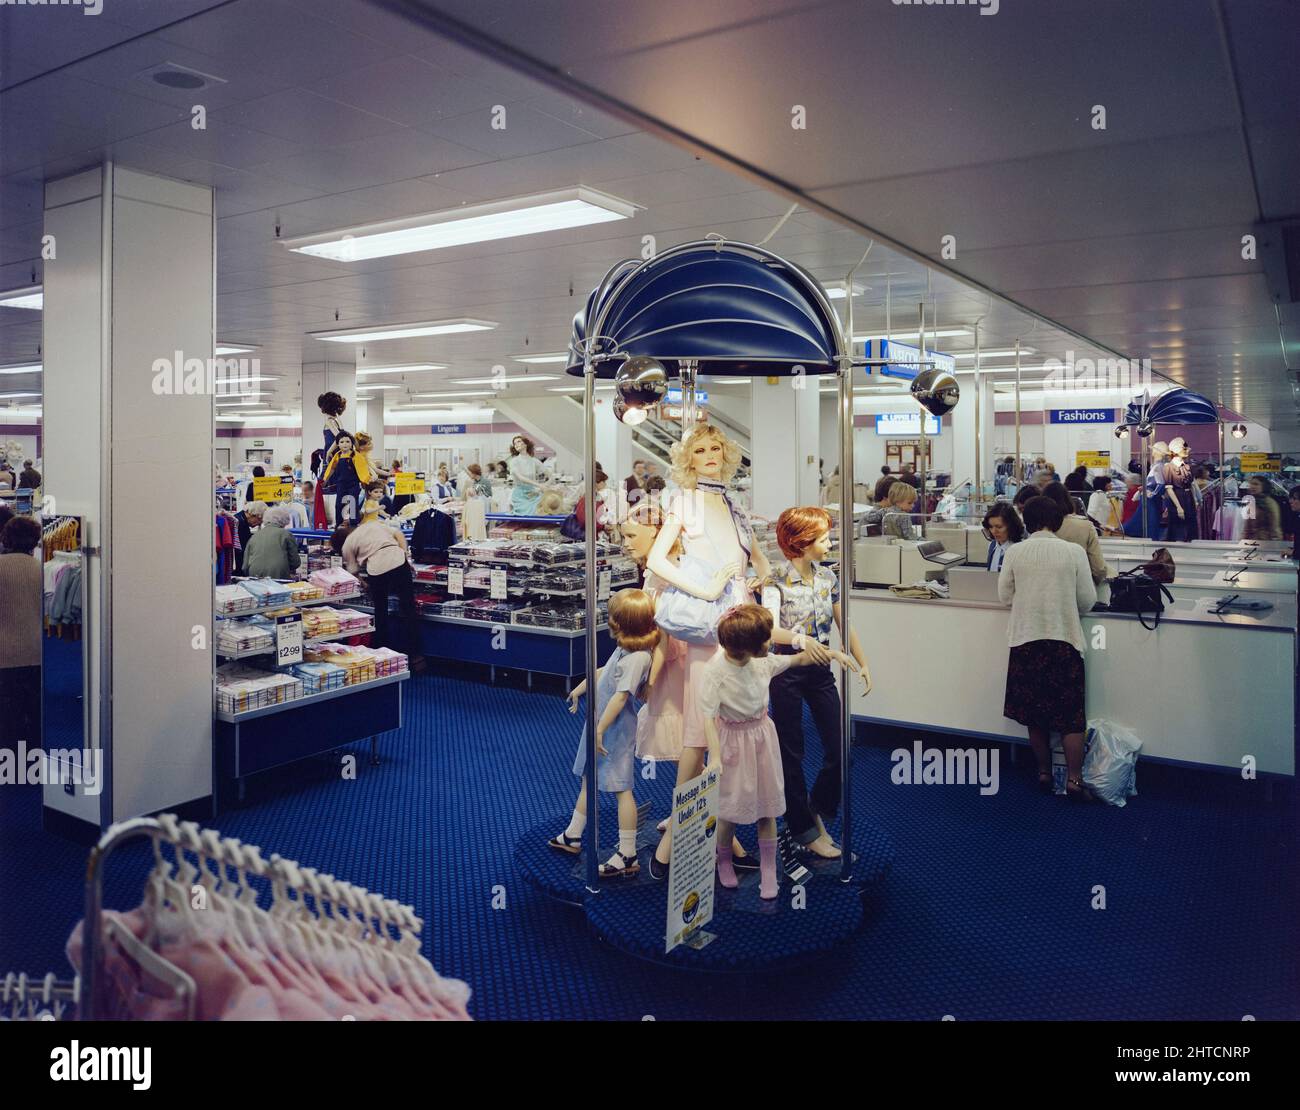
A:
810,608
345,475
632,624
733,701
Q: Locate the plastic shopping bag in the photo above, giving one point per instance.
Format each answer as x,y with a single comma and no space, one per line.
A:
1110,767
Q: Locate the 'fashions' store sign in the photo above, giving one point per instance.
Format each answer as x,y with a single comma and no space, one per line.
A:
1081,416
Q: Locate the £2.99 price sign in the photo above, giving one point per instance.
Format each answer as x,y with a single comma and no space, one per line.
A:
288,640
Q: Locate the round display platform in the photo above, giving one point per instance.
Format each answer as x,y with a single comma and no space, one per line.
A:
564,877
805,922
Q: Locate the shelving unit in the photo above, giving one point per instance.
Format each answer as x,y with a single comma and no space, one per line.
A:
250,653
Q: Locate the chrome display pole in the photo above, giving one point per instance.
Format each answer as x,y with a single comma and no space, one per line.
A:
1020,477
1223,496
1142,473
686,370
592,835
979,483
921,361
847,522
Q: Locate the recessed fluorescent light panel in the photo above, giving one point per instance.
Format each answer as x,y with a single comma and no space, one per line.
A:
30,368
232,349
903,336
559,356
462,393
997,354
374,334
835,289
512,378
31,297
15,396
377,385
411,369
454,227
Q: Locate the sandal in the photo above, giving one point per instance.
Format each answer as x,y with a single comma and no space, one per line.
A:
662,827
569,844
1045,782
1078,792
629,868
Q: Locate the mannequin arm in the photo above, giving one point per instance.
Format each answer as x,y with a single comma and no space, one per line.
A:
662,567
790,638
759,562
715,744
657,660
612,710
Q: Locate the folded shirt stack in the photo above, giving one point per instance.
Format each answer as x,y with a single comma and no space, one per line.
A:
269,593
234,599
388,661
236,636
305,591
318,677
335,581
241,688
320,620
352,621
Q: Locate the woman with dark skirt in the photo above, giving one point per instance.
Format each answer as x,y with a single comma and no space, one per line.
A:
1048,584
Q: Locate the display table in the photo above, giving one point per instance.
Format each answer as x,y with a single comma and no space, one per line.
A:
259,739
555,651
1199,689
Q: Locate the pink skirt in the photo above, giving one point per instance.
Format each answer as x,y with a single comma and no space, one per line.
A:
660,723
693,663
752,783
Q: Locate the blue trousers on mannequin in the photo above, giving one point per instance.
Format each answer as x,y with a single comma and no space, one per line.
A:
1154,530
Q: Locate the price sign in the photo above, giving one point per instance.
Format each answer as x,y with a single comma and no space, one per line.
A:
288,640
278,487
1261,462
336,561
405,484
602,584
499,590
456,580
1093,460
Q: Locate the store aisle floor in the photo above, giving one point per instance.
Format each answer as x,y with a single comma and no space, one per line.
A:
988,913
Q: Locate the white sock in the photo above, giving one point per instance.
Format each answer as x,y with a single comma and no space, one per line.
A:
627,843
577,826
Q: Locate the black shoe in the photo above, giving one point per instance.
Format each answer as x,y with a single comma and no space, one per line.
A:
658,870
745,863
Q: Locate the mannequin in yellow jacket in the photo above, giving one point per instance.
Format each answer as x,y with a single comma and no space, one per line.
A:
346,473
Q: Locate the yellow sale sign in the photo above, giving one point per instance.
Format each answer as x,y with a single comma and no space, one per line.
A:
1093,460
278,487
408,483
1259,461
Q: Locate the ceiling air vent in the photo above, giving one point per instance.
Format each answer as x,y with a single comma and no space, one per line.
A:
172,75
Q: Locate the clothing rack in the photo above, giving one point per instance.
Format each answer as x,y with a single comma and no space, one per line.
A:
341,916
38,999
60,533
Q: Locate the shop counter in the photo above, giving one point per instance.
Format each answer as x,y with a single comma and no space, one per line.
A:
1199,689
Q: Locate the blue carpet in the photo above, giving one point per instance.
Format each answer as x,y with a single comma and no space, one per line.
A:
986,913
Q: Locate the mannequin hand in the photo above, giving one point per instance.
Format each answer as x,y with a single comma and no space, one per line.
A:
816,651
600,743
845,660
574,697
866,681
719,581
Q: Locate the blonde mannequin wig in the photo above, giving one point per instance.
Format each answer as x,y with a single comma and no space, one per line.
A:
683,474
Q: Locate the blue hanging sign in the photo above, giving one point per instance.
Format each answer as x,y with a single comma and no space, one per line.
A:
448,429
905,424
674,396
903,358
1081,416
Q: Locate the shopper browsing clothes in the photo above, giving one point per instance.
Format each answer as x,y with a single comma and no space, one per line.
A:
1048,584
619,684
378,551
810,607
733,698
272,552
247,520
20,633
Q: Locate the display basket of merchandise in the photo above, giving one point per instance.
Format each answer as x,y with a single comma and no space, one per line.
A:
350,620
429,572
242,634
430,603
335,581
234,599
240,689
319,677
269,593
389,662
493,612
572,618
304,591
321,621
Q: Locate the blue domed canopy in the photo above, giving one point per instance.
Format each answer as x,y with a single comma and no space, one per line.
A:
1178,406
734,308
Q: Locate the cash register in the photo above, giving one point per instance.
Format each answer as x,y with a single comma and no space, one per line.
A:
880,563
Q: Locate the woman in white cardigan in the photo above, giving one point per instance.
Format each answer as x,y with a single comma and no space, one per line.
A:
1048,584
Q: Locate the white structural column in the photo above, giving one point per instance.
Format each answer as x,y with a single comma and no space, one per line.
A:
784,441
128,335
963,429
325,377
614,447
370,419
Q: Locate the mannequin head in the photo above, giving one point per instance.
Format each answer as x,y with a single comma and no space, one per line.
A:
704,452
1159,451
345,445
640,530
522,445
745,632
364,442
632,620
804,531
332,404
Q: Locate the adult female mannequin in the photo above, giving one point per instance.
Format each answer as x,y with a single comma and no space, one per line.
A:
714,533
1155,487
525,470
1178,489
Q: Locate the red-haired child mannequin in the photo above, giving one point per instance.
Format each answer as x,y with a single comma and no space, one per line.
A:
810,605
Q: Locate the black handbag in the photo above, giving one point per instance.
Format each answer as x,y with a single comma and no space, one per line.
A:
1135,592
